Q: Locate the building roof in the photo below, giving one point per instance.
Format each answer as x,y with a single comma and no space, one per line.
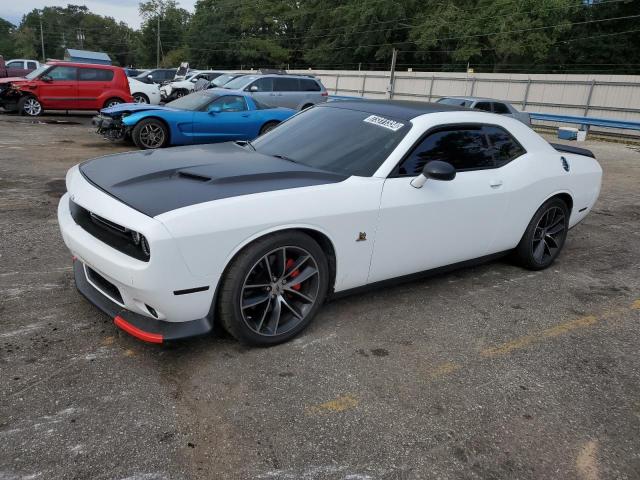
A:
400,109
87,54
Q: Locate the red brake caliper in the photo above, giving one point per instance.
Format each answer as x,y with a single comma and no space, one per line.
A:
295,273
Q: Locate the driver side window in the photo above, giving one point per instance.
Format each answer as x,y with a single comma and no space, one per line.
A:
62,73
465,148
228,103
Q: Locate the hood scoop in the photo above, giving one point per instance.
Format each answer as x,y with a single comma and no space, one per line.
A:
194,176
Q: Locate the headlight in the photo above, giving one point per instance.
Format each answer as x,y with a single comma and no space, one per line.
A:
141,242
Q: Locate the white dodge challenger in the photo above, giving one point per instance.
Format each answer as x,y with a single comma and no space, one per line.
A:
344,195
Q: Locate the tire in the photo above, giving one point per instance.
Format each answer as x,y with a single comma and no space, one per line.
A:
180,93
150,133
112,102
140,98
267,316
30,106
545,235
267,127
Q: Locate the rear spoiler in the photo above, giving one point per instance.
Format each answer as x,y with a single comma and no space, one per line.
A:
569,149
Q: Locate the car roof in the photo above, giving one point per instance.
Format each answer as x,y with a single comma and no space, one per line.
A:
81,64
475,99
400,109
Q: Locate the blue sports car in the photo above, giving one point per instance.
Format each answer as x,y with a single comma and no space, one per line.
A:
201,117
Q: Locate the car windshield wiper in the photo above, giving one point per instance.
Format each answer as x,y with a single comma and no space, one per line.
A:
283,157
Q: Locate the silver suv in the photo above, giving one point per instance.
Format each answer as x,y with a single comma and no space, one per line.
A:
278,90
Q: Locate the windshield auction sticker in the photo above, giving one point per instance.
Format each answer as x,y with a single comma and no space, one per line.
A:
384,122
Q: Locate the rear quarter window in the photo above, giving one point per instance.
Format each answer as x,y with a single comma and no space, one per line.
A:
505,147
500,108
309,85
484,106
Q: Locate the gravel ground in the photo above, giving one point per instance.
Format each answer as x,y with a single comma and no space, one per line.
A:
489,372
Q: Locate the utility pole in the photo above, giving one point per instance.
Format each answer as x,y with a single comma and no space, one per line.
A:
44,58
393,72
80,37
158,46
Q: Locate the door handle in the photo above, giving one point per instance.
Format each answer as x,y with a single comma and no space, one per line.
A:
495,183
245,115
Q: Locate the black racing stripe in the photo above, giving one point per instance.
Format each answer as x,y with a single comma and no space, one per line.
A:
158,181
190,290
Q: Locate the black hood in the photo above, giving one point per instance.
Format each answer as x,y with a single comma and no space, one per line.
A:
158,181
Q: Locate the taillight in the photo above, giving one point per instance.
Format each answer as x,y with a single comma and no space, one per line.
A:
324,94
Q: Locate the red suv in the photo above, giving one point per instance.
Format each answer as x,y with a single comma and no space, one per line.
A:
65,86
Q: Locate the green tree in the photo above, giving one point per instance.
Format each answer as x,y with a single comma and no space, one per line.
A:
493,34
74,26
173,22
7,39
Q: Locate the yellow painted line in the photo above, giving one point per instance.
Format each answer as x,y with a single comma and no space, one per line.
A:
444,369
339,404
587,461
527,340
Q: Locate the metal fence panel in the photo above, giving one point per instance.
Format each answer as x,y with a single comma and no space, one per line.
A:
609,96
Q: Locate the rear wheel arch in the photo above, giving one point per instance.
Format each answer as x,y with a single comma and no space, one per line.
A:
566,198
112,98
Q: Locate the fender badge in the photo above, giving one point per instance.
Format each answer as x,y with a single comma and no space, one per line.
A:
362,237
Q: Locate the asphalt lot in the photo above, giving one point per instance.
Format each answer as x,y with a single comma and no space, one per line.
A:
490,372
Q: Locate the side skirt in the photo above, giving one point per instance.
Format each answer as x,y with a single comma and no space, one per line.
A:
418,276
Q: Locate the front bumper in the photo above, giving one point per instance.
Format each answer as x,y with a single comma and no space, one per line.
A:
144,328
164,282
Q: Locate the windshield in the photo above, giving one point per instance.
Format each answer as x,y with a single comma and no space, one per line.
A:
335,139
240,82
193,101
223,79
459,102
37,71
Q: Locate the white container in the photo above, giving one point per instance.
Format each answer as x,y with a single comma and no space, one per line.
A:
581,136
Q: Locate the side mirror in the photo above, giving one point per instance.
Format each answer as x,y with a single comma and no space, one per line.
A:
214,110
253,88
436,170
46,78
150,77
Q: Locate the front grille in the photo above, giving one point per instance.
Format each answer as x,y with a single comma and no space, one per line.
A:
103,284
114,235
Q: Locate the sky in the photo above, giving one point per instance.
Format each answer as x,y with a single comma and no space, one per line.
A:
125,10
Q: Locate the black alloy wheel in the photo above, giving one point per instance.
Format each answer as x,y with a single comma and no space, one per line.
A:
273,289
545,235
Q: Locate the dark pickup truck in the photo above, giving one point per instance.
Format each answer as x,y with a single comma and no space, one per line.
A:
17,68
